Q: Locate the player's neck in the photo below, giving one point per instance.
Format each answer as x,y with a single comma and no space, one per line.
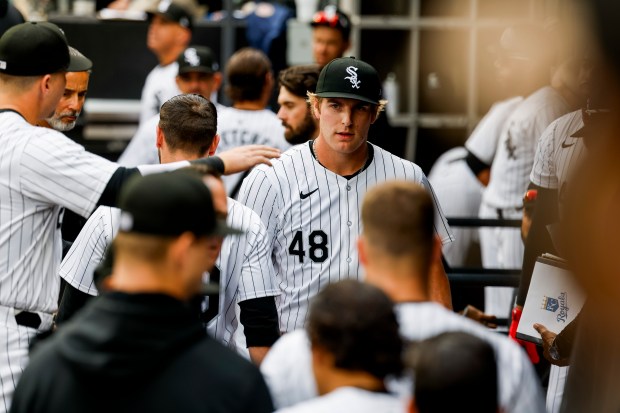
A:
22,104
44,124
338,378
343,164
402,283
133,277
249,105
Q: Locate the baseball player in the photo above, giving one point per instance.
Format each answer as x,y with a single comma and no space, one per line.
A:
70,106
198,72
42,172
310,199
503,247
397,247
349,379
169,33
249,83
64,120
243,268
295,113
140,347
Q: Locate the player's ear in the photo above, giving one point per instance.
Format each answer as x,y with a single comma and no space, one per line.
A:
160,137
214,144
361,249
217,81
315,104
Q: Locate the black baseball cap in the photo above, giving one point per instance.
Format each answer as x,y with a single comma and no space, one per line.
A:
347,77
169,204
197,59
33,49
330,16
78,62
174,10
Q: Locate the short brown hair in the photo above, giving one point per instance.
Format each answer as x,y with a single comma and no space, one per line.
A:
355,322
398,219
299,80
189,123
246,74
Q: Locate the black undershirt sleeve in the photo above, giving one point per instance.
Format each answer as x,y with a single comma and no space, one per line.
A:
475,164
538,240
259,317
109,196
72,301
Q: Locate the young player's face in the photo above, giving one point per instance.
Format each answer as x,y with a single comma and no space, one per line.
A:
344,123
71,103
327,44
298,122
203,84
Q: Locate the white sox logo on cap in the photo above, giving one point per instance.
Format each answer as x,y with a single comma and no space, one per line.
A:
352,71
191,57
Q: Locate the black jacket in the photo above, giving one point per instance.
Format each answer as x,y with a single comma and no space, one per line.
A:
138,352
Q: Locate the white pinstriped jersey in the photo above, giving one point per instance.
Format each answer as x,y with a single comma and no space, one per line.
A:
238,127
483,140
287,368
142,149
510,173
313,220
159,86
558,153
41,171
245,269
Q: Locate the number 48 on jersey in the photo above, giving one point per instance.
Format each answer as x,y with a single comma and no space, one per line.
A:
317,243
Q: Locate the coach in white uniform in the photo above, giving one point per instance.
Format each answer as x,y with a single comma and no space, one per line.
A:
397,248
41,172
310,199
187,130
198,72
169,33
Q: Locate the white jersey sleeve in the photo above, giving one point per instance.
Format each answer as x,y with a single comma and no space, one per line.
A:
142,148
512,165
61,172
556,150
483,140
88,250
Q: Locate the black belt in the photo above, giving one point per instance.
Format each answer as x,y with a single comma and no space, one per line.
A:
28,319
